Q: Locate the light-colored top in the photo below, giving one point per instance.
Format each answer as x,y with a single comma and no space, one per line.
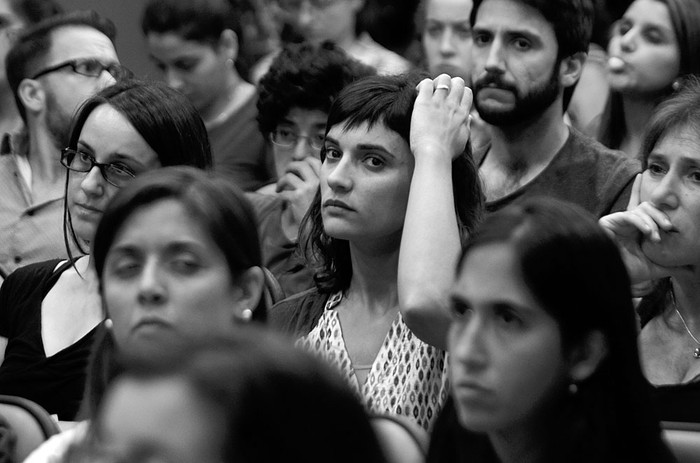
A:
408,377
29,231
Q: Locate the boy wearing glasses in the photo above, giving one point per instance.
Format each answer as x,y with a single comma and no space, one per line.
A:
294,99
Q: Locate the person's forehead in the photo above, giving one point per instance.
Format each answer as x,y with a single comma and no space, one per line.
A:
512,15
78,41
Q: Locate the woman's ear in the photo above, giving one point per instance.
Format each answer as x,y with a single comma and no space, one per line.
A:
251,283
228,44
585,358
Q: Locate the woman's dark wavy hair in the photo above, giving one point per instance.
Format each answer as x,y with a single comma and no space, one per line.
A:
219,207
306,76
389,101
685,19
575,272
165,119
278,403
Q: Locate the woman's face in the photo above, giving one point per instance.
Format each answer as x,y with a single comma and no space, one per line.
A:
307,126
506,360
160,420
164,276
197,69
108,137
320,20
643,49
671,182
447,37
365,180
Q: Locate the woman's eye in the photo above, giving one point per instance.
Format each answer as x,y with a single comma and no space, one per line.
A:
695,176
508,318
481,38
125,267
460,309
655,169
184,265
332,153
522,44
622,27
374,161
653,36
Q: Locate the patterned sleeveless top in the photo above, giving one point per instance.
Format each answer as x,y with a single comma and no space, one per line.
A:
408,377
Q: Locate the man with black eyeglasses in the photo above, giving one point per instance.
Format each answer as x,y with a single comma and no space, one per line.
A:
52,68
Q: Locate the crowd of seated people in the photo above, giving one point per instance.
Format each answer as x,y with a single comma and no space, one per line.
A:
345,254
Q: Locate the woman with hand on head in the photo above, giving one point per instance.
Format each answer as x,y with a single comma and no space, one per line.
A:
295,96
543,355
653,46
658,236
196,44
49,311
383,139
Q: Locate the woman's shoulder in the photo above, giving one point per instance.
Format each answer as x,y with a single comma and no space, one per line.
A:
31,274
298,314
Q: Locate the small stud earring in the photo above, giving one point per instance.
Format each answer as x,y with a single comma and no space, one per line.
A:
573,388
676,85
108,323
246,315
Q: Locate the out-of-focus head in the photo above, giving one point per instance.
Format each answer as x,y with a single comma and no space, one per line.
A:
177,255
519,338
527,55
55,65
195,43
366,173
320,20
446,36
653,44
296,94
130,128
15,15
670,155
250,398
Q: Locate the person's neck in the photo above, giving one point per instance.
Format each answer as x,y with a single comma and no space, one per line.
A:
519,445
637,111
44,155
531,144
686,292
375,273
237,92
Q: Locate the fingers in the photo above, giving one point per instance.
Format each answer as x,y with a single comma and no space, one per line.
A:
300,173
635,194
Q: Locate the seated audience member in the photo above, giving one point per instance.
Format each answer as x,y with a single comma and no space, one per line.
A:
543,356
317,21
50,311
177,258
247,399
15,16
654,45
658,236
52,68
521,89
447,48
382,139
196,44
295,96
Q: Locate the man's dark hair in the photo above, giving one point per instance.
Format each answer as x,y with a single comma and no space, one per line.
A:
33,11
30,50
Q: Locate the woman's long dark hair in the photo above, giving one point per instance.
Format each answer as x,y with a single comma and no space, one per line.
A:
165,119
685,19
389,101
575,272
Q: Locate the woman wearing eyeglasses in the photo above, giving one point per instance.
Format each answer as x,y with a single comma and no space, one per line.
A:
49,311
295,97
